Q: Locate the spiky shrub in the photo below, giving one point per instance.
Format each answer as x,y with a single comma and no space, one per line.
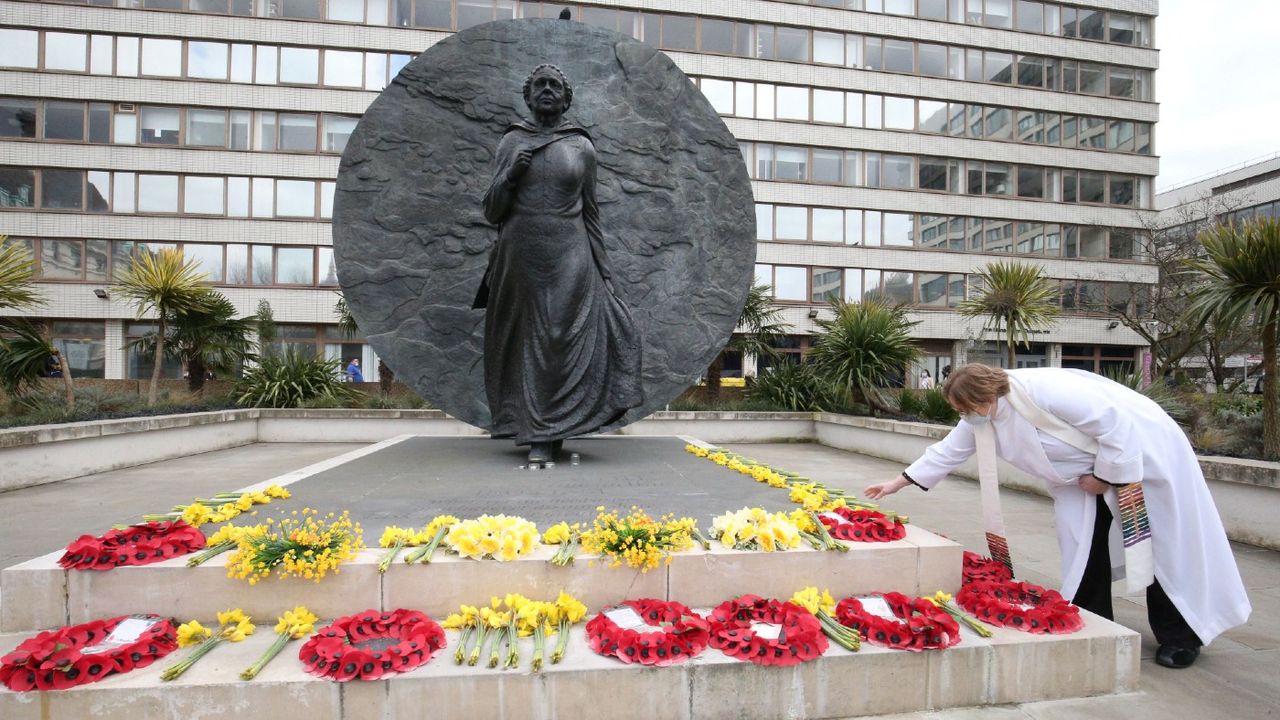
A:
290,380
909,403
793,386
864,345
1157,392
1238,281
1016,296
935,408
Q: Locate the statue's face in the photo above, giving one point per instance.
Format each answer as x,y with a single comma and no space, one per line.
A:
546,92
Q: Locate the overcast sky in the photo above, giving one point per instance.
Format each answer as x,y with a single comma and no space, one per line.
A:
1218,85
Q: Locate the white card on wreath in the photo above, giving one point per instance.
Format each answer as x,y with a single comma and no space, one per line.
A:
877,606
626,618
767,631
833,516
129,630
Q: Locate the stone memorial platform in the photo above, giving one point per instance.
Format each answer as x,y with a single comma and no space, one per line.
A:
406,481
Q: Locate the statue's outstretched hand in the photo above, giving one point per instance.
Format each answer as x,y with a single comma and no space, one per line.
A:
521,164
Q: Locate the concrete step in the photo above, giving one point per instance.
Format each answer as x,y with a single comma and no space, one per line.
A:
38,594
1011,667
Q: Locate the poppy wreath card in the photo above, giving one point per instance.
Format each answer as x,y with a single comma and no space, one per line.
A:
140,544
1021,606
83,654
862,525
372,645
915,624
766,631
648,632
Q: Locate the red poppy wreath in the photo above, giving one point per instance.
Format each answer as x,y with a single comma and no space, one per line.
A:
919,624
979,568
1021,606
862,525
766,632
140,544
372,645
659,633
82,654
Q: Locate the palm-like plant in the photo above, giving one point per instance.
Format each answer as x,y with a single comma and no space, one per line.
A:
862,347
1016,295
24,346
162,283
209,337
1238,281
760,323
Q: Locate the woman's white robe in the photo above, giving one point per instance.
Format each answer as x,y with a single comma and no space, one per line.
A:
1137,442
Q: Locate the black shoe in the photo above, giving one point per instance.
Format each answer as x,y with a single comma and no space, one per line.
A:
539,452
1172,656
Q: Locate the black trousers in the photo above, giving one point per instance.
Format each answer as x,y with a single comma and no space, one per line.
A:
1094,594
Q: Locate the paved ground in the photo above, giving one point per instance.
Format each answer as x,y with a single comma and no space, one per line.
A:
1237,677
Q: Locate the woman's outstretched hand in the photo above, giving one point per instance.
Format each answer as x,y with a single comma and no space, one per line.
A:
875,492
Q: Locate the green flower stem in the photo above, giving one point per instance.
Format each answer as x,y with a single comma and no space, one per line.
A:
845,637
566,551
464,638
210,552
499,637
701,539
474,657
161,517
425,552
281,640
513,644
562,641
539,646
964,617
814,541
173,671
828,542
390,556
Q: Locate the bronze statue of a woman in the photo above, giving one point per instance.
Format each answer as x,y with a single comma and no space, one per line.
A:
561,352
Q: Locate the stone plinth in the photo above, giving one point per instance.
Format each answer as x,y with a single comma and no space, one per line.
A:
1010,667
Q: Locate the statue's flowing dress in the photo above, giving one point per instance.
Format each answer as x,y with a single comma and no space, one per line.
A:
562,355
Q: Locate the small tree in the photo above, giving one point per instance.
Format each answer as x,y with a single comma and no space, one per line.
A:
265,323
760,322
209,337
1238,282
863,347
24,346
166,285
1017,295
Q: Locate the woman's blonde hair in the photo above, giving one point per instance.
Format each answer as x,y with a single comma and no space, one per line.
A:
974,385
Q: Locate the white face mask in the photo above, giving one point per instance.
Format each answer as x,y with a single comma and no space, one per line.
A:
975,418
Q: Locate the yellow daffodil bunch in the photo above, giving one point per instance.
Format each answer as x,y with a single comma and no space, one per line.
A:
568,611
567,537
434,533
822,605
493,624
395,539
501,537
814,532
768,476
719,457
229,505
814,498
696,450
234,626
756,529
192,633
303,545
466,621
221,541
294,624
945,601
636,539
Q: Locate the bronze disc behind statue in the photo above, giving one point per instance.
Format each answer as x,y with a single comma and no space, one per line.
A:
411,241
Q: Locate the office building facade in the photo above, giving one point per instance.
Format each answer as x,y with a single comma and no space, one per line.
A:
895,146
